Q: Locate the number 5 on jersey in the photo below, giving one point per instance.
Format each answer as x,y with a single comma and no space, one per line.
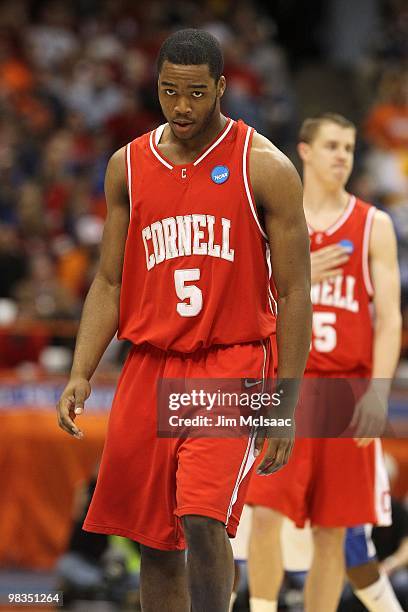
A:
324,331
192,293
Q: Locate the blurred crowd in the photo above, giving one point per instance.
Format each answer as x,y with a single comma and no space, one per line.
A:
78,81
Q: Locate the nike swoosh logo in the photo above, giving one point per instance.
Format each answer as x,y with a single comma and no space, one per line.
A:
248,384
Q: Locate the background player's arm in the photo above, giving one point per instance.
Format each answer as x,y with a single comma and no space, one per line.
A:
278,191
386,282
371,411
100,315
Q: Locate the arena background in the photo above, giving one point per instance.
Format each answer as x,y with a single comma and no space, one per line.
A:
78,81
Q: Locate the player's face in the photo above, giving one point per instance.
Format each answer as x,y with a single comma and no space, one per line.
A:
331,154
189,97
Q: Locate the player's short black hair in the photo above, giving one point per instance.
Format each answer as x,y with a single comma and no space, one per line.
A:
192,47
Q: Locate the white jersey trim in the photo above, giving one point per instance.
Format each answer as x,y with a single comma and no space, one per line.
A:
247,462
272,302
158,134
129,178
249,456
343,218
368,531
246,183
159,157
216,143
382,488
366,244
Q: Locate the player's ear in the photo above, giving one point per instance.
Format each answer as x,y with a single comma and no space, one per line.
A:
303,150
221,85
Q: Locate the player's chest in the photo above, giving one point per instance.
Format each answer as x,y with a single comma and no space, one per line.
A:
215,189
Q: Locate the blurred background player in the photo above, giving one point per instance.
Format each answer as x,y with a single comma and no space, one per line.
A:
191,232
334,483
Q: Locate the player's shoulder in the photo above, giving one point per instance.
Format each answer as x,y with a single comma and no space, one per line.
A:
117,162
144,141
125,154
380,217
360,204
263,150
382,223
269,161
380,227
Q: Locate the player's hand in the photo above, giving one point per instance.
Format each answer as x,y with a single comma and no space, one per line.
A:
390,564
326,262
279,440
370,415
362,442
277,453
71,404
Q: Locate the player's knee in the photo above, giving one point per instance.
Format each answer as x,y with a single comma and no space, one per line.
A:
202,532
170,560
362,576
328,539
266,521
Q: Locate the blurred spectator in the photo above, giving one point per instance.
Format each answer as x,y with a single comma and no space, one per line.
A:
93,92
50,41
41,295
131,121
13,263
93,567
394,40
386,126
244,91
32,221
15,75
77,260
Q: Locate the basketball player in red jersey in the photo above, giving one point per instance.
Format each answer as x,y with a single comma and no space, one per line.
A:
333,483
184,275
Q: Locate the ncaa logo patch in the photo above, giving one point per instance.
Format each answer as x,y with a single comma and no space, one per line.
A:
348,245
220,174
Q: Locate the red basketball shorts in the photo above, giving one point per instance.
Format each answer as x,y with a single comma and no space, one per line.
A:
147,483
331,482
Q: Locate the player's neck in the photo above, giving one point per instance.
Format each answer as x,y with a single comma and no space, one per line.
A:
318,198
202,140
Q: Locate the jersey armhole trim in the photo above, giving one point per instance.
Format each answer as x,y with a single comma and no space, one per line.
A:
271,299
366,244
247,182
129,178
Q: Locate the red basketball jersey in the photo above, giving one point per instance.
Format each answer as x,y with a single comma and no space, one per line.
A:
342,316
197,268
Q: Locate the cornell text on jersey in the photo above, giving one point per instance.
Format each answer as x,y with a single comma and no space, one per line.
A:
187,235
338,291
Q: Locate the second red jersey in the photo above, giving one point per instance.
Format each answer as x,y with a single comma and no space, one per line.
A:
196,270
342,315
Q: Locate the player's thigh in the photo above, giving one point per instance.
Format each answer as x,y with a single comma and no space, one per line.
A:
212,476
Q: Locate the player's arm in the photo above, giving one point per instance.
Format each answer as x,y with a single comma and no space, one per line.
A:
384,270
278,192
100,315
398,559
386,282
